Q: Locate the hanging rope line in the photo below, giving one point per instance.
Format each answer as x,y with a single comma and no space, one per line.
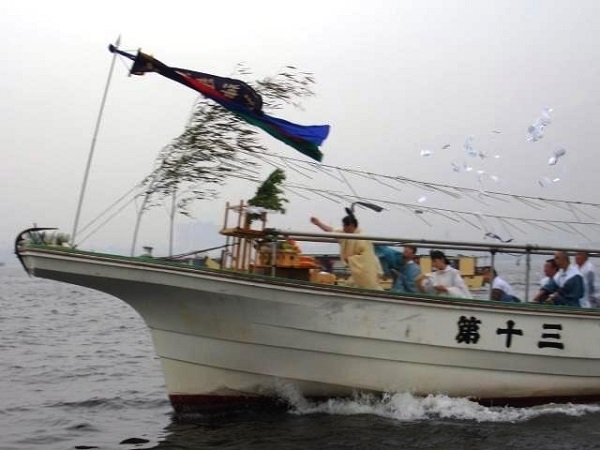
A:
313,173
451,190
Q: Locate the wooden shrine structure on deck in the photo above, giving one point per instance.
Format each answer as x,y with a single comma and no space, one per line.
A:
250,248
240,244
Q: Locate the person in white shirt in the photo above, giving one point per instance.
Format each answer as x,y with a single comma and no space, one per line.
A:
444,280
587,272
501,291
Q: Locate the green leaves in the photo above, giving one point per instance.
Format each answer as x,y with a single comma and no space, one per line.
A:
268,194
216,145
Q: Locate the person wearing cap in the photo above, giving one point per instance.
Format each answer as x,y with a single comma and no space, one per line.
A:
444,280
357,254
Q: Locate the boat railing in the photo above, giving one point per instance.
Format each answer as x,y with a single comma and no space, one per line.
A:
272,236
249,243
438,244
255,248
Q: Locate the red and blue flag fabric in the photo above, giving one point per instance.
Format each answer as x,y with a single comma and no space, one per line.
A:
239,98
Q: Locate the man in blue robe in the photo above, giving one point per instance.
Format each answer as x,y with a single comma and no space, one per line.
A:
566,288
400,266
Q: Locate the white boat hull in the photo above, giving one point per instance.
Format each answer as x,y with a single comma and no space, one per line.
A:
225,337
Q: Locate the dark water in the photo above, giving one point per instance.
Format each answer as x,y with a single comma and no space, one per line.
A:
77,370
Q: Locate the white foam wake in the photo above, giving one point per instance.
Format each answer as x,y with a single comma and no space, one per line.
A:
408,408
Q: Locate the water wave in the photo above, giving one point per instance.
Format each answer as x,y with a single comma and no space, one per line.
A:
114,403
403,406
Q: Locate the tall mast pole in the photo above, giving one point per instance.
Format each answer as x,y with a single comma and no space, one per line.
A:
93,145
172,221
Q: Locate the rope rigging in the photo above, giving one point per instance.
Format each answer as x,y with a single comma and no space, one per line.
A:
312,172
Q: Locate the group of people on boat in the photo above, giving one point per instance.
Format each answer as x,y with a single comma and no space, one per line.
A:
568,284
368,264
564,284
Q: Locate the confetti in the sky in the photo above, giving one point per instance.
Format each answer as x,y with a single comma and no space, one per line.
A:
468,146
535,131
559,152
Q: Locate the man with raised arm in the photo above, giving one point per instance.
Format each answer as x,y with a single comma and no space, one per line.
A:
357,254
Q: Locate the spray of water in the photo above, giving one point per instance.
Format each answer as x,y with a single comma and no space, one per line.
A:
405,407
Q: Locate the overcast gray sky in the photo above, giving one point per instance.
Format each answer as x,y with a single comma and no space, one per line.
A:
393,78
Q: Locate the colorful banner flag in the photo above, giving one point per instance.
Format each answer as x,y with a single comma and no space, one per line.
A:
238,97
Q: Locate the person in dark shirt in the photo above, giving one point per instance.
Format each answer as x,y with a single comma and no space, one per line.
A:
550,269
566,288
